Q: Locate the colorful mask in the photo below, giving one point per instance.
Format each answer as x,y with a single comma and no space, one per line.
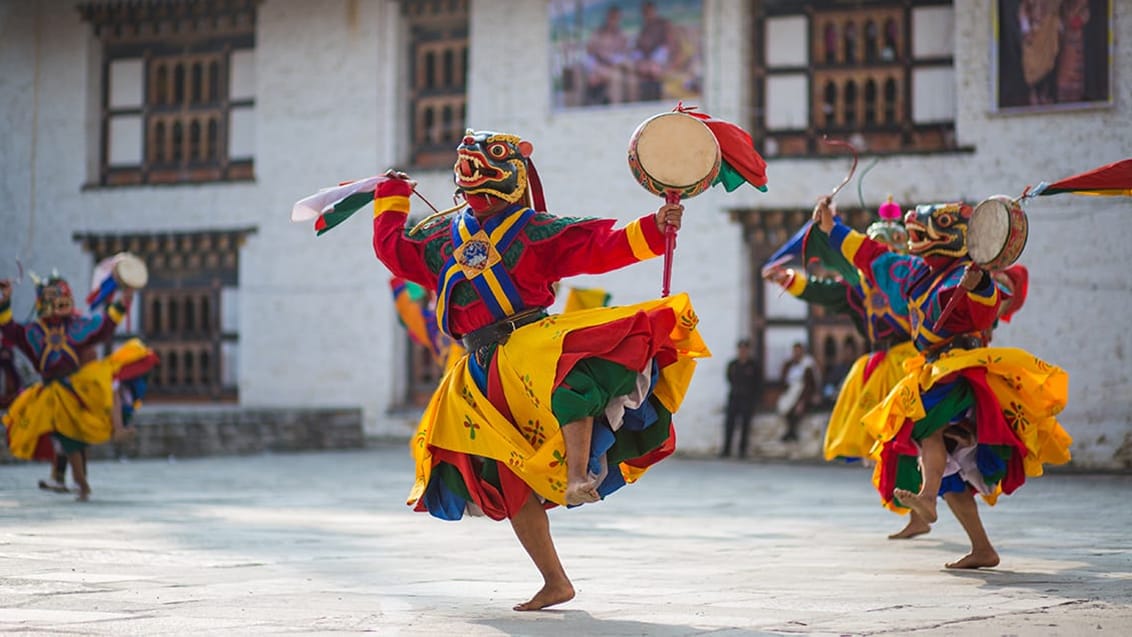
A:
53,298
938,229
888,229
492,164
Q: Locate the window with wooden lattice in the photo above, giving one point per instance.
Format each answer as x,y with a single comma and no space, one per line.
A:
188,313
778,320
178,91
438,58
879,73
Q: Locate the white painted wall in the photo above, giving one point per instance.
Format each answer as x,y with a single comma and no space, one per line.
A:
316,321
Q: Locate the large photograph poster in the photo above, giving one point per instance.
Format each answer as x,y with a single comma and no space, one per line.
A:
1052,54
621,51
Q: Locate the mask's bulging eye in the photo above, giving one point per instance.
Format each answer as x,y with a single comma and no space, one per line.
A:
497,151
945,221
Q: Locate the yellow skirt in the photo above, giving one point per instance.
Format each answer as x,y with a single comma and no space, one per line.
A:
78,408
461,419
846,435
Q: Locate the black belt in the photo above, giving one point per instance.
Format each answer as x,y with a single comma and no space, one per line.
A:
963,341
497,333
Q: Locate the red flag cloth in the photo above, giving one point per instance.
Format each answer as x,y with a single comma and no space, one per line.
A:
1020,282
1110,179
736,145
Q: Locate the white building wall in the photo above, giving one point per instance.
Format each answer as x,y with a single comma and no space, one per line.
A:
316,322
315,316
580,154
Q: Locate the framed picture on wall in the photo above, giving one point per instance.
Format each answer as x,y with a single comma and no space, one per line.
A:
1052,54
606,52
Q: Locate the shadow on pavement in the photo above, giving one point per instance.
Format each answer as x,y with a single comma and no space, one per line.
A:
579,622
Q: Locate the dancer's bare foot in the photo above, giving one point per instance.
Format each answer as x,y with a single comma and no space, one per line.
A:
916,526
986,558
581,492
54,487
921,504
84,495
550,595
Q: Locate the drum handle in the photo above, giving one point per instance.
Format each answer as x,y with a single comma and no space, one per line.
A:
952,302
670,196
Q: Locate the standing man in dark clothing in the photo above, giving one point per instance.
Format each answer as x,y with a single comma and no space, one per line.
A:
745,387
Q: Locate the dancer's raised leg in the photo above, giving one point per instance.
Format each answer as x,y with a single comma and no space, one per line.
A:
580,488
933,460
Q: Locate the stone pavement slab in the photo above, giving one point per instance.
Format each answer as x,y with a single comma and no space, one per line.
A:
321,543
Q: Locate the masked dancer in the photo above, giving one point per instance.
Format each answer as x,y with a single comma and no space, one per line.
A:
73,403
544,410
967,417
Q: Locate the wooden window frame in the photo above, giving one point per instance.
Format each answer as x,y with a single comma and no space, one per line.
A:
903,135
764,230
438,68
184,267
185,35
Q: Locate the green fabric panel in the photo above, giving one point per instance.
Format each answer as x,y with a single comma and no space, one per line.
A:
907,475
543,225
731,179
957,400
344,209
416,292
588,387
826,293
452,479
817,247
437,247
728,177
490,472
634,444
70,445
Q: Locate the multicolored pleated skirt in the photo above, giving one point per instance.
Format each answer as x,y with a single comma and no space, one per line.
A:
1005,399
490,436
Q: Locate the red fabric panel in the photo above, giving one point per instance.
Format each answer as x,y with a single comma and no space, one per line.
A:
494,391
901,445
630,342
1114,176
736,146
993,428
44,449
871,365
137,368
483,493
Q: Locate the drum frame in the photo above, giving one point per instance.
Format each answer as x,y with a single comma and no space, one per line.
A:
657,187
1019,231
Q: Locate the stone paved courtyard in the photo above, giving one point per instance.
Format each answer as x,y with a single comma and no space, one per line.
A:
320,543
